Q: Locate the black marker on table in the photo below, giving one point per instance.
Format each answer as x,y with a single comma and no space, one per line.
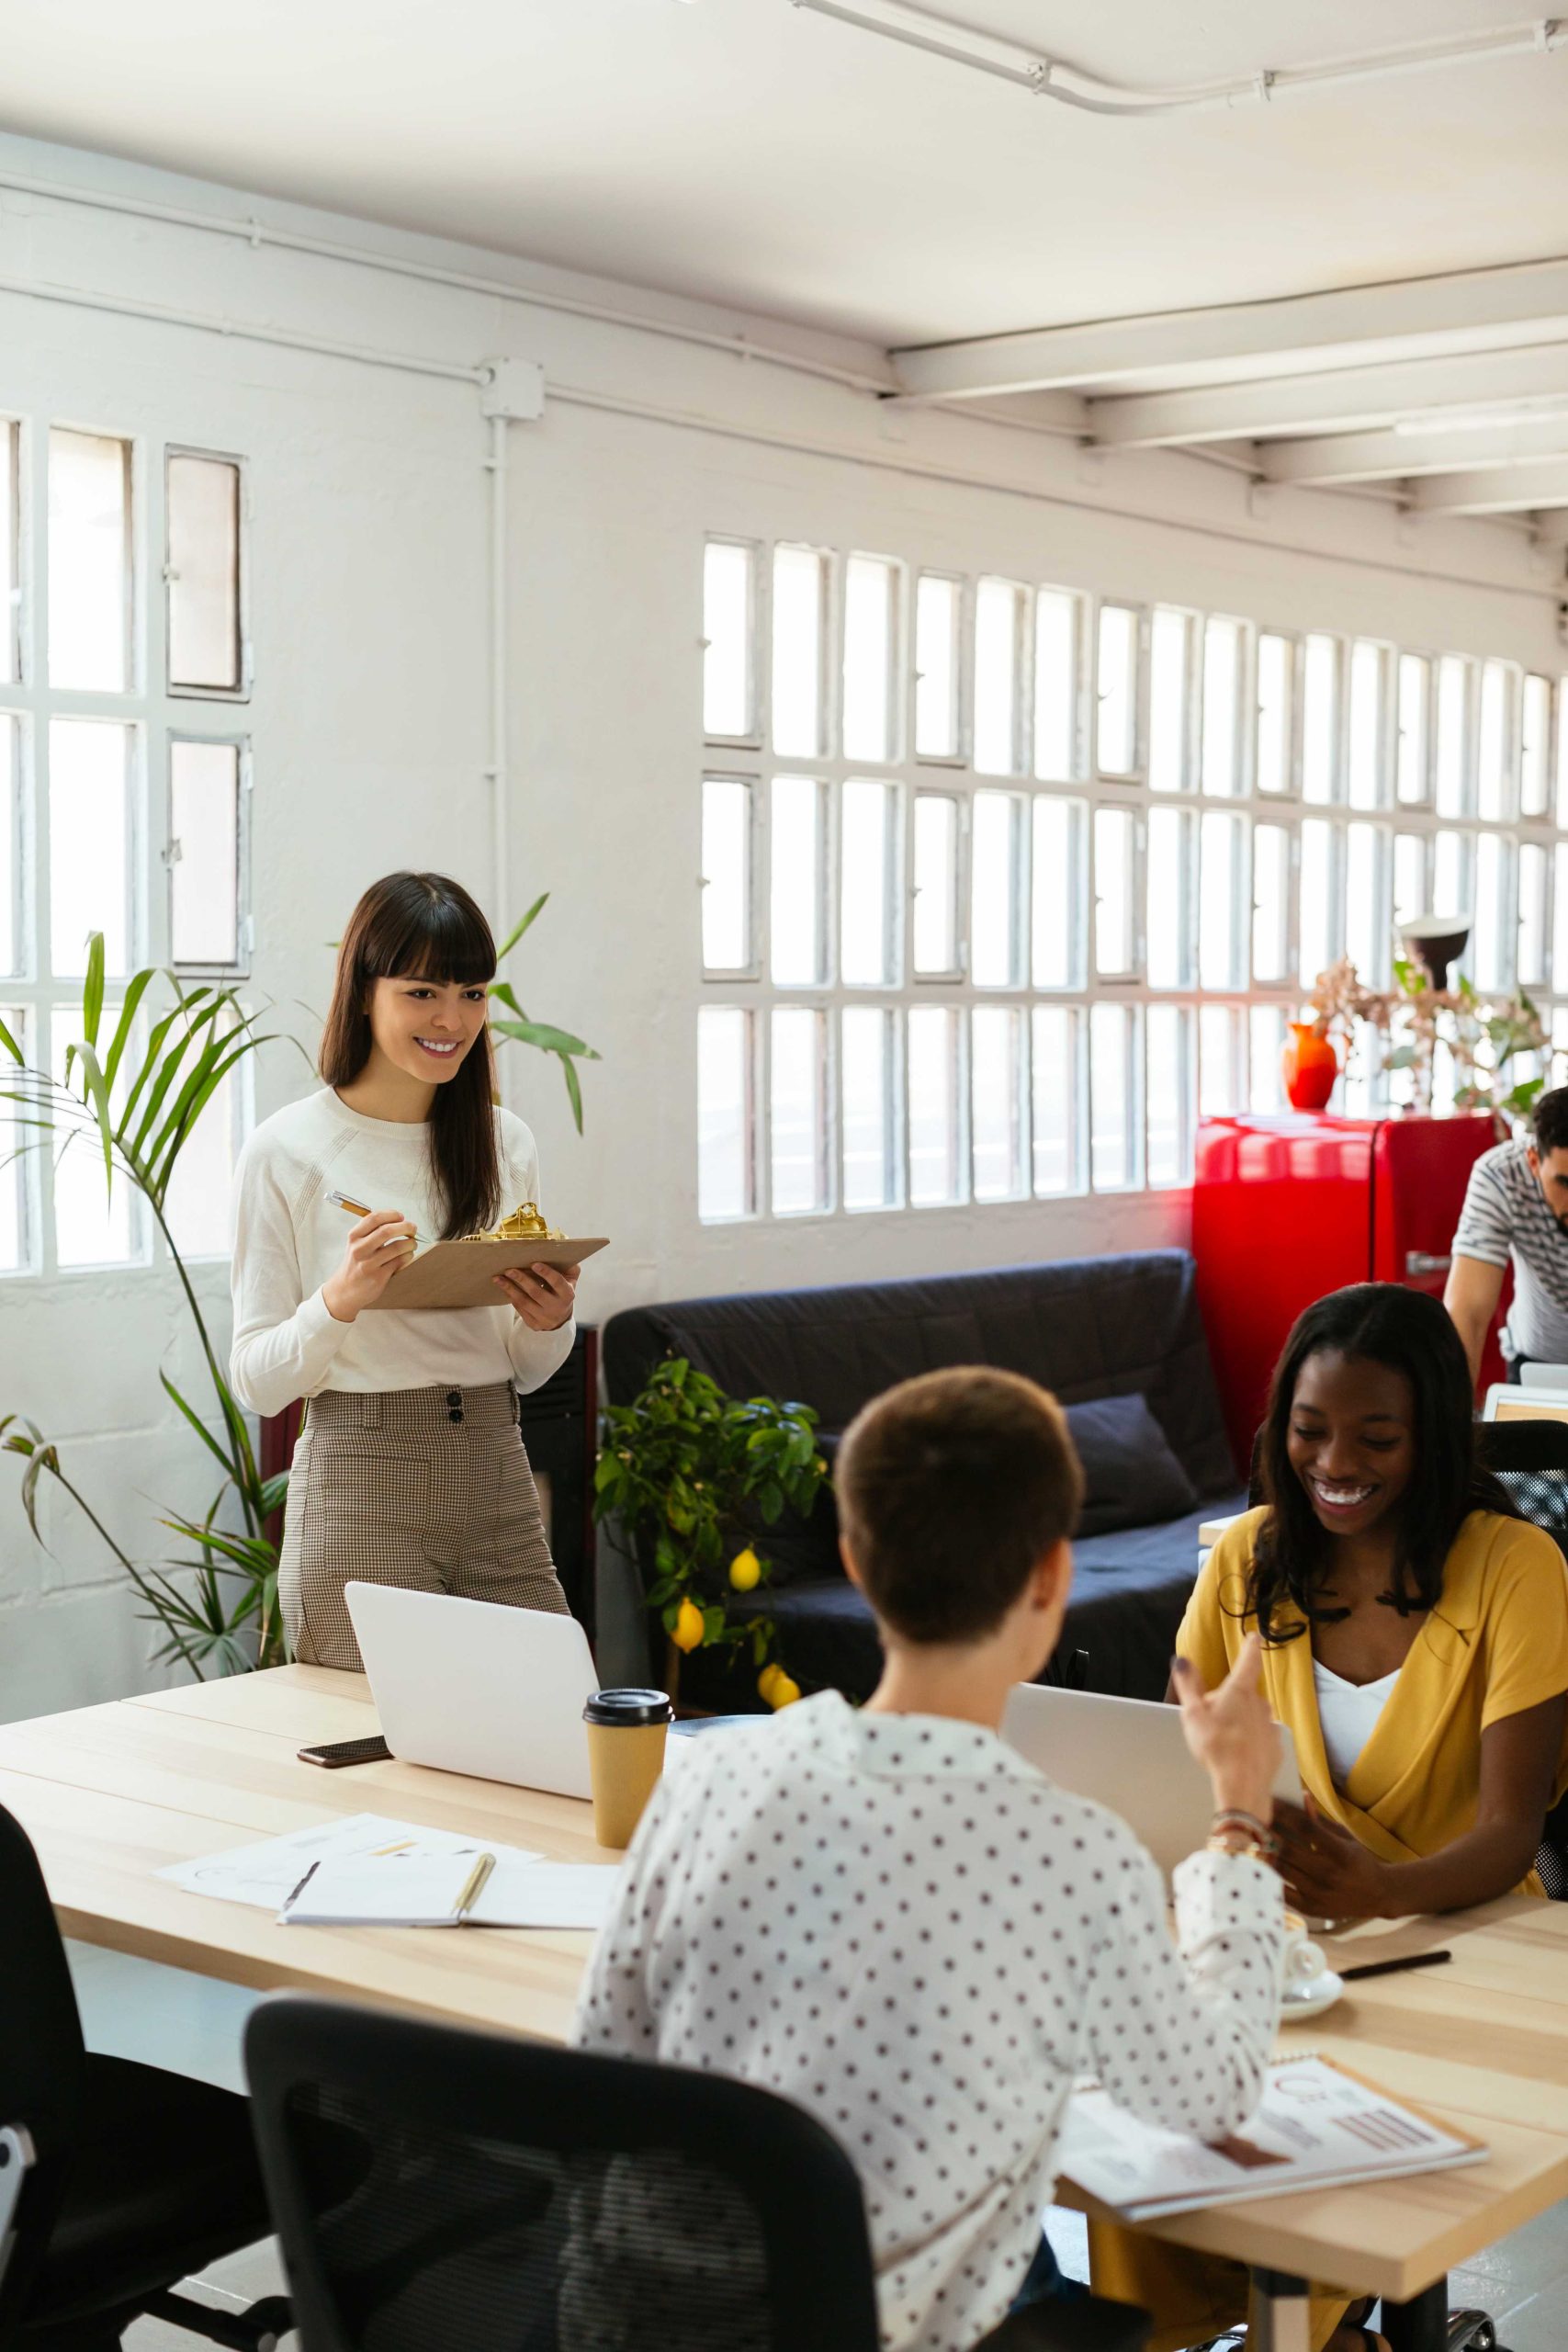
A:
1389,1967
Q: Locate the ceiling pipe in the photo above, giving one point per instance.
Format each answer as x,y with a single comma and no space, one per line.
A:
1073,86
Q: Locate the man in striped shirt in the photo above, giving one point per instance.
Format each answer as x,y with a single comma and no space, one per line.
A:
1516,1208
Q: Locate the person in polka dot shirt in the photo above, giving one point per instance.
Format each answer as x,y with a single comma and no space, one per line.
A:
888,1916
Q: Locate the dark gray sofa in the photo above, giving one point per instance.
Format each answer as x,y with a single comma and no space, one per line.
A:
1085,1329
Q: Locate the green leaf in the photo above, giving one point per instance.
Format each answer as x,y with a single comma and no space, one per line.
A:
512,936
197,1424
547,1037
10,1045
503,992
93,987
573,1090
135,991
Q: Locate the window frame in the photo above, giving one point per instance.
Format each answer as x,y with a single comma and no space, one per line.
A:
243,692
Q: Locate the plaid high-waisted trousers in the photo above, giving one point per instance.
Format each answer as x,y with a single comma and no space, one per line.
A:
428,1489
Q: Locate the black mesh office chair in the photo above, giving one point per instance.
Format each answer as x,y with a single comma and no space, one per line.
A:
116,2179
515,2198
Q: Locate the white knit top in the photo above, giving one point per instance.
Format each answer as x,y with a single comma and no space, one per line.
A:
288,1240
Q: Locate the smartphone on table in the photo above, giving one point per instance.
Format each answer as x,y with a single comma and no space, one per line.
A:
336,1753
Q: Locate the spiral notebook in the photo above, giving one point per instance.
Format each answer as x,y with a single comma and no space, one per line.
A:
411,1889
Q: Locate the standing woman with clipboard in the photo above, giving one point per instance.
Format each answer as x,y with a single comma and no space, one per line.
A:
411,1468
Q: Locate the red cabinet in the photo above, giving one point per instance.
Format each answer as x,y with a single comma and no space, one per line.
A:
1285,1208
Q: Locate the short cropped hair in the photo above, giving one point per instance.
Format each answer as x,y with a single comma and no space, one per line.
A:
1549,1120
951,1489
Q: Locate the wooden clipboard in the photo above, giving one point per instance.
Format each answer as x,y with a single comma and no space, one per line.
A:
462,1273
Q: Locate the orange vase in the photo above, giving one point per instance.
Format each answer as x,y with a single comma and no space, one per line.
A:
1309,1067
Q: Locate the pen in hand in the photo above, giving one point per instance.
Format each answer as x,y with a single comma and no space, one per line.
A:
358,1208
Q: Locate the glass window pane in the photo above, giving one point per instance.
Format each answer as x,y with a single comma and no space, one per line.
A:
197,1202
1266,1039
204,854
1110,1088
724,1147
936,1174
935,925
996,864
997,1098
1453,885
1222,706
1495,750
1563,753
1489,958
1170,668
10,615
203,572
12,1231
1559,925
1220,951
938,605
89,562
10,844
1270,903
1366,924
798,1108
1368,672
1276,695
1535,747
800,602
1453,736
1054,1033
91,1220
1320,717
796,930
729,603
1116,731
90,872
865,930
1317,944
998,637
726,875
1410,896
1169,933
1058,619
866,1073
1058,889
1532,915
1168,1118
1411,758
1112,890
870,623
1222,1080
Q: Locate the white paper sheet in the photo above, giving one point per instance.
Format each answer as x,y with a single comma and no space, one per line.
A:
523,1894
267,1873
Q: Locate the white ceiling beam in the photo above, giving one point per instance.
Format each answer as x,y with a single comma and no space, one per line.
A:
1495,490
1411,319
1382,456
1345,400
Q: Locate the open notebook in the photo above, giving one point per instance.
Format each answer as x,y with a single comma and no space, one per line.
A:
411,1889
1317,2126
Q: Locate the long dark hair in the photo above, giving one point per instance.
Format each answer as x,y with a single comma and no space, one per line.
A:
1412,1334
422,926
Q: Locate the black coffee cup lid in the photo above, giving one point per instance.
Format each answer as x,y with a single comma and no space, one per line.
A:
629,1707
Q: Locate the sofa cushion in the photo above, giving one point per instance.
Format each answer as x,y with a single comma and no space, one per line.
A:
1130,1477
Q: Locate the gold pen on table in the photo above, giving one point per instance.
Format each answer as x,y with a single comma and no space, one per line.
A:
475,1887
358,1208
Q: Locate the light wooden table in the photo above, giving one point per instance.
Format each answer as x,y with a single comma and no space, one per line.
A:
109,1794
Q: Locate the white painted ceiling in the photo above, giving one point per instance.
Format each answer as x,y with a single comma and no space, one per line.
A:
750,151
1281,281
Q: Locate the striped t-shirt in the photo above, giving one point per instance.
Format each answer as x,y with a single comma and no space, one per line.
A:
1505,1216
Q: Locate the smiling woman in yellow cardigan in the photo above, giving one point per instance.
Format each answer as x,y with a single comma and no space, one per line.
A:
1415,1644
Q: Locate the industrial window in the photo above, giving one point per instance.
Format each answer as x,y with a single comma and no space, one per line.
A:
1015,884
119,811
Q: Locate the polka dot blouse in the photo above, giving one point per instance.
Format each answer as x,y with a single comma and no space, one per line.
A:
896,1922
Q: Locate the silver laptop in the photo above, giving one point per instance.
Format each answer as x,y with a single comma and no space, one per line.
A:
1130,1755
468,1686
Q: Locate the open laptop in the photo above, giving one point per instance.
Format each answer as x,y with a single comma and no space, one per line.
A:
1128,1754
469,1685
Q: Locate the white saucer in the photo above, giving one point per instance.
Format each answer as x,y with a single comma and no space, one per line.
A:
1310,2000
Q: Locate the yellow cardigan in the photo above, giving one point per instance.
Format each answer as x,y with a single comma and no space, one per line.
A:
1495,1644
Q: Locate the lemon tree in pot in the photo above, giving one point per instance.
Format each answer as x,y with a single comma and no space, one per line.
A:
697,1477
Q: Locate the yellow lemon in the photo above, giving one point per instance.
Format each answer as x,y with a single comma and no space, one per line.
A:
782,1691
687,1630
766,1680
745,1570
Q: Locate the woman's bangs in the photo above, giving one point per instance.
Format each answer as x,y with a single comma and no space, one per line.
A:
439,941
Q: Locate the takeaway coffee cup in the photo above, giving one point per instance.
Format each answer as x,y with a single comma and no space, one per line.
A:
625,1756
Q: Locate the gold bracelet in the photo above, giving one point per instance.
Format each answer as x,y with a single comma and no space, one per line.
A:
1237,1840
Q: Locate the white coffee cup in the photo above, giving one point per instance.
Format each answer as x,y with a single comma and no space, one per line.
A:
1304,1962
